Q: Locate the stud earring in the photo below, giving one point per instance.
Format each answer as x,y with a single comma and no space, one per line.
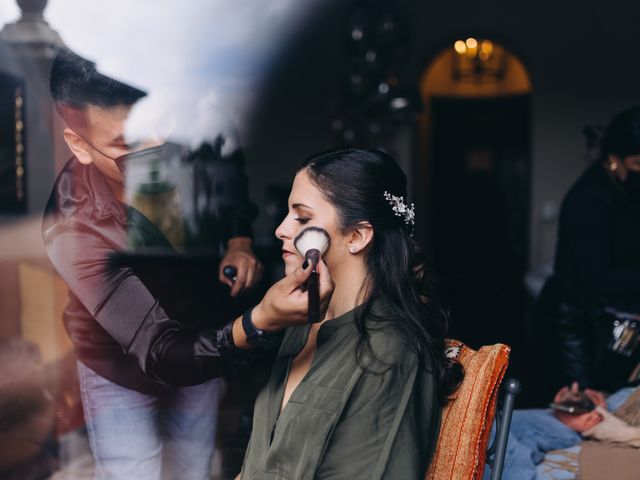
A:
613,166
352,249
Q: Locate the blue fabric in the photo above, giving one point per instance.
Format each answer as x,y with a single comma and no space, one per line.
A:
533,433
147,437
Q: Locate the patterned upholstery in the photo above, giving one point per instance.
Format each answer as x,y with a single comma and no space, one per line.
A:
467,418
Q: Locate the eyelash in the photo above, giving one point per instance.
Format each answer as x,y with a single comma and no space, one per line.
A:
302,220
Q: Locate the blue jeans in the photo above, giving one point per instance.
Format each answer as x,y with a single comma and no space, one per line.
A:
533,433
147,437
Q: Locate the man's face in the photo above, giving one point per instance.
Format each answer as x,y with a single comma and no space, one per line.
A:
98,138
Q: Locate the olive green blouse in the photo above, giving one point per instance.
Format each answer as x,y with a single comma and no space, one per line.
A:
342,420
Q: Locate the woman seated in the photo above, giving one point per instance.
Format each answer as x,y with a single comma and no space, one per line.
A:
357,395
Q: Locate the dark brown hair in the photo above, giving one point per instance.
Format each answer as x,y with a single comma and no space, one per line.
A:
354,181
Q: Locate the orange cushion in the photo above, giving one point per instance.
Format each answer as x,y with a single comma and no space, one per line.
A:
467,417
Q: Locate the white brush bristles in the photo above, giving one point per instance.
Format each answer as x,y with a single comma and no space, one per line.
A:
312,238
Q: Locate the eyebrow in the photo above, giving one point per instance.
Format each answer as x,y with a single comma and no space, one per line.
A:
298,205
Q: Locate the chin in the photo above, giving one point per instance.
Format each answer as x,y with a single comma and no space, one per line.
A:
291,264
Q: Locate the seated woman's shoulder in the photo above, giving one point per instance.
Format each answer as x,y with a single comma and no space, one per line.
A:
389,344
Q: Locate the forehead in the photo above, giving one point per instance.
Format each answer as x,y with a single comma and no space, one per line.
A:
305,191
106,121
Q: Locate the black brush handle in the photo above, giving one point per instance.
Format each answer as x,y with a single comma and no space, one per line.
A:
313,287
314,298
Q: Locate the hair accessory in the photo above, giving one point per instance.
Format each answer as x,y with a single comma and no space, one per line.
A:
401,209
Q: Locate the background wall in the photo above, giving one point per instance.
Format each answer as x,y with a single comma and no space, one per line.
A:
580,58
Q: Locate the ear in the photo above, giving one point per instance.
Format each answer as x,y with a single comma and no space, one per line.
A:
361,237
78,146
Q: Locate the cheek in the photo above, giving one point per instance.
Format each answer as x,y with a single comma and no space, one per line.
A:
338,248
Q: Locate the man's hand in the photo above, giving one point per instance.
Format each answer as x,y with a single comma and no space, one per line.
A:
566,393
614,429
286,303
248,268
585,421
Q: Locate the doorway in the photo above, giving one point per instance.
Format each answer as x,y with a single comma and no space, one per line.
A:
474,178
480,214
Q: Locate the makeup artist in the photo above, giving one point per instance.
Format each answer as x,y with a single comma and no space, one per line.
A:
145,336
164,350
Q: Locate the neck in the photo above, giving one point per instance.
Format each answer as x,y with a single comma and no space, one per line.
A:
117,189
347,295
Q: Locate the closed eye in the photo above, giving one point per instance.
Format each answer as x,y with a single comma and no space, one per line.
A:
302,220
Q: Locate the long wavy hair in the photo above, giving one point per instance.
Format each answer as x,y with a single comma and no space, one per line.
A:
354,180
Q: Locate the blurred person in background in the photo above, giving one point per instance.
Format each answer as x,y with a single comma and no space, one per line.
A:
605,440
588,308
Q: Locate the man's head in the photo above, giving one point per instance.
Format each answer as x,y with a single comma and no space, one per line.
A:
95,108
621,148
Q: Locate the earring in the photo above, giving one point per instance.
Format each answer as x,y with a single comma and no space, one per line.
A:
613,166
352,249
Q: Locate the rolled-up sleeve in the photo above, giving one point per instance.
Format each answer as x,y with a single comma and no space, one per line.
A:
118,300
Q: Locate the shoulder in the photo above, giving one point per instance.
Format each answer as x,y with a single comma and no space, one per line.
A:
592,189
69,191
80,193
390,345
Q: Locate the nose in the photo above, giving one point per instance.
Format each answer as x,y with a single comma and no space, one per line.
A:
282,232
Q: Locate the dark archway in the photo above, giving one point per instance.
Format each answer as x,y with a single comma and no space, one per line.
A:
473,182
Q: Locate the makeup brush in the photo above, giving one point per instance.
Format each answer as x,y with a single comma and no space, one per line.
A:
312,242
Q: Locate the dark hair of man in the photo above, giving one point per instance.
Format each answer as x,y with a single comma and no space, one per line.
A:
354,181
75,83
622,135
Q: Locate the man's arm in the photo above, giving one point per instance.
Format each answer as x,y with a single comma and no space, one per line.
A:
614,429
181,358
166,350
236,218
132,316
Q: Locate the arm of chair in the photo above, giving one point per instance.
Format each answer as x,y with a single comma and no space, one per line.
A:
503,422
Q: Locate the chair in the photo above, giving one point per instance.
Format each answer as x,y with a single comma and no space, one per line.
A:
503,421
462,447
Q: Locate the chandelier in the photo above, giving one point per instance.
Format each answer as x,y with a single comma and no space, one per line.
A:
478,61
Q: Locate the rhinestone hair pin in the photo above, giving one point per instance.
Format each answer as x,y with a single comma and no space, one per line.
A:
401,209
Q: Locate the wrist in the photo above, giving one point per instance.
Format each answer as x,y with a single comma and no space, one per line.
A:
261,320
239,242
257,336
238,334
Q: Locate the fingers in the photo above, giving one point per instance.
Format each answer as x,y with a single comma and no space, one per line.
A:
596,397
248,272
562,393
241,278
325,280
293,281
256,272
575,387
